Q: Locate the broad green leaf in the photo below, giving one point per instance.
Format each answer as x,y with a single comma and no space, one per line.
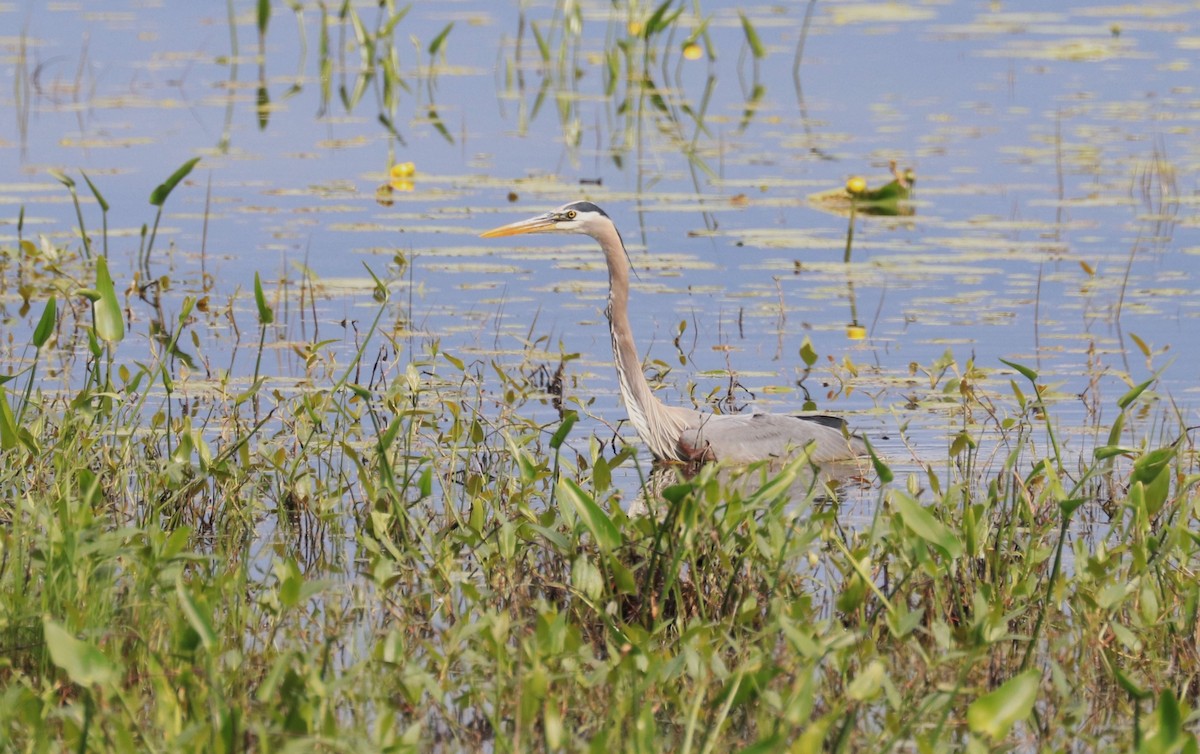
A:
388,436
1170,720
603,530
82,662
45,325
106,311
1067,507
867,683
265,315
586,577
993,714
923,523
1114,432
622,577
160,194
882,470
1147,468
807,354
200,622
8,423
560,434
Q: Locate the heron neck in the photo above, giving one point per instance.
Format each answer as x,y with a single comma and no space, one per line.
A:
649,417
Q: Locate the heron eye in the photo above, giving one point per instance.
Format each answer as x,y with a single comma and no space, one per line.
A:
570,214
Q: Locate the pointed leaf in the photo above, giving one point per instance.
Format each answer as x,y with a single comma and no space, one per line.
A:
1147,468
603,530
160,194
200,623
62,178
563,430
1133,394
45,325
106,312
437,42
659,19
923,523
752,39
882,470
1025,371
381,291
265,315
8,423
994,713
82,662
95,192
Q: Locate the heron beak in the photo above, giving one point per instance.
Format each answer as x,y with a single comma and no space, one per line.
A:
539,224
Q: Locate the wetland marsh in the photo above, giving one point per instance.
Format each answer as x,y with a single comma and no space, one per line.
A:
291,459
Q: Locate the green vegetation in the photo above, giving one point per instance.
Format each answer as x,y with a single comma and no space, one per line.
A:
406,548
409,563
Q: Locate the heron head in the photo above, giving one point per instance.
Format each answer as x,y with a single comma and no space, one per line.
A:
576,217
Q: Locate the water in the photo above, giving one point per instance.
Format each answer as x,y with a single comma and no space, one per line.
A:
1055,223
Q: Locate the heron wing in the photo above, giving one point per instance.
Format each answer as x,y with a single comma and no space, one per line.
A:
742,438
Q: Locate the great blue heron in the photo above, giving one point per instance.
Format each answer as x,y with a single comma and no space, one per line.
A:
675,433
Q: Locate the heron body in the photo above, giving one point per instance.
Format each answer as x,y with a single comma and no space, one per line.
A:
676,433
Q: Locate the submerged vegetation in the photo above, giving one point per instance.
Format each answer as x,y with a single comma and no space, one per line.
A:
397,542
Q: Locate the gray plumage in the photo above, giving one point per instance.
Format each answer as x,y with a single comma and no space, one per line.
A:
675,433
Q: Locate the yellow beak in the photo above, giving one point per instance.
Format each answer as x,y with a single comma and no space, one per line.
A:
539,224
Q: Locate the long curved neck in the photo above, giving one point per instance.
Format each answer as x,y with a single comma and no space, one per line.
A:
657,425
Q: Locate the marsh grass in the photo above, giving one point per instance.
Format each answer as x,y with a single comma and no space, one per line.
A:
432,557
408,549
